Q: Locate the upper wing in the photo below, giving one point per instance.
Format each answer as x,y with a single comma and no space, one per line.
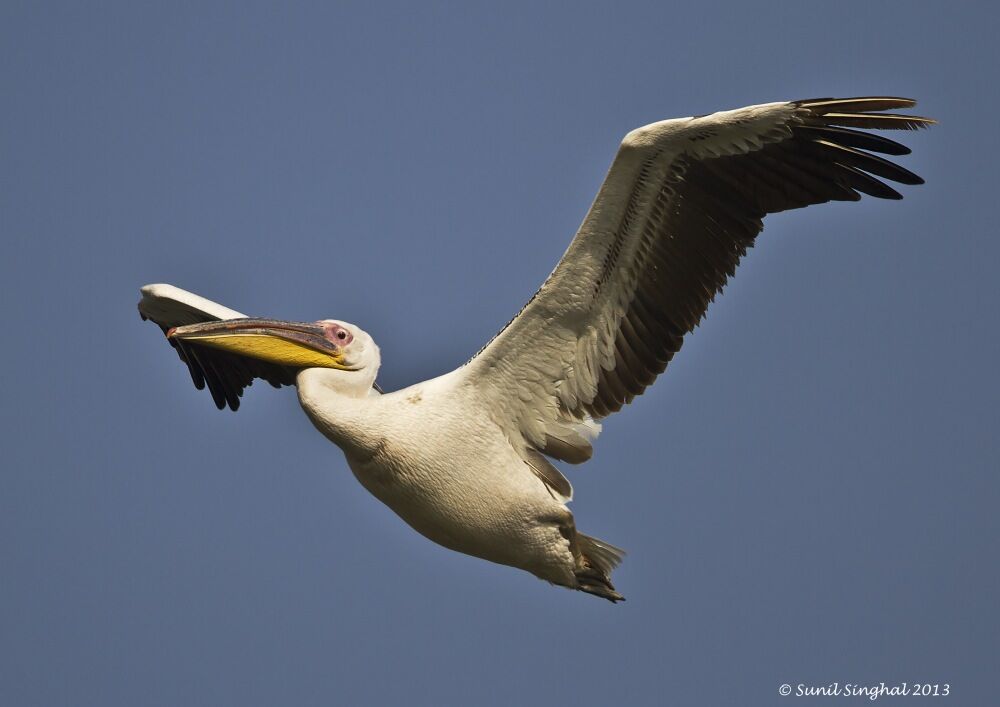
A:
225,374
681,204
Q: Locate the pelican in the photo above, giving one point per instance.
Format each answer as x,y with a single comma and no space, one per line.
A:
466,459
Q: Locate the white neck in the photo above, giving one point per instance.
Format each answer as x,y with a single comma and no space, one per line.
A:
340,405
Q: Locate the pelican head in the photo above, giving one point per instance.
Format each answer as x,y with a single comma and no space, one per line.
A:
346,352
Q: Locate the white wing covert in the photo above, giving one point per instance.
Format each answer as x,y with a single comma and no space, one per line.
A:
681,204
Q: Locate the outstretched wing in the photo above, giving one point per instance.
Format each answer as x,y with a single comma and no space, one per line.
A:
682,203
225,374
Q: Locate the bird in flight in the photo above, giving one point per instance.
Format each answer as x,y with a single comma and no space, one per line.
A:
466,459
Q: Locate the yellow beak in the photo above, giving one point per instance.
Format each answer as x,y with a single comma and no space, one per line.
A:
296,344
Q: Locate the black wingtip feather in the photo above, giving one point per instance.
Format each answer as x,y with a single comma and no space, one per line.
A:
854,138
867,184
218,396
869,163
197,377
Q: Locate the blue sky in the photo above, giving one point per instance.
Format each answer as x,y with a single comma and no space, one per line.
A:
809,494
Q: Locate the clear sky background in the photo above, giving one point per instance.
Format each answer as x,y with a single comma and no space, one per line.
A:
809,494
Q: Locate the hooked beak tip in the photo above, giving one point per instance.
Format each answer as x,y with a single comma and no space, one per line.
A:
171,331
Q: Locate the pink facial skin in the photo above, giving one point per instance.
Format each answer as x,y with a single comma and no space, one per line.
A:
337,334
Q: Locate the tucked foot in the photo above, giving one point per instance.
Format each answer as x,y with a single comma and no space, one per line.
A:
598,586
594,565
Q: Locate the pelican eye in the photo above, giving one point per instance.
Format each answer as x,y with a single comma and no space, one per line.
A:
338,335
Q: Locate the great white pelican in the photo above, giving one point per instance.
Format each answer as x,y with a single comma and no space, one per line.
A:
466,458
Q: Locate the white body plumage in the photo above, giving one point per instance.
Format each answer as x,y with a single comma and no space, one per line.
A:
435,457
